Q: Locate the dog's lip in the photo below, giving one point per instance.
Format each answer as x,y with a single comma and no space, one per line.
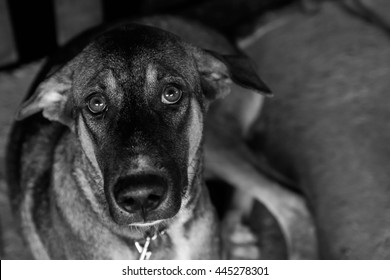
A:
147,224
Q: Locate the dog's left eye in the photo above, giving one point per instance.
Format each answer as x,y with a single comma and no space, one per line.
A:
171,95
97,104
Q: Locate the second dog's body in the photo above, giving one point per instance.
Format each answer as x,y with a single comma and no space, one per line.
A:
329,130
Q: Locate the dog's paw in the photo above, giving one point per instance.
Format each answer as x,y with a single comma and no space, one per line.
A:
239,241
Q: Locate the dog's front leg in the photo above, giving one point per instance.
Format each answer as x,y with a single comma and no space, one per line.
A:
238,240
231,161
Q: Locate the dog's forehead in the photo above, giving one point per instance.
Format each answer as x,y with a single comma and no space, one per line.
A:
129,52
136,42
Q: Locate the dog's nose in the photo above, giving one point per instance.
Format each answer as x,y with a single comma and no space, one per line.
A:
146,198
140,193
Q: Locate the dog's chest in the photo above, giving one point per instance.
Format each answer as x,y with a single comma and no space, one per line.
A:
197,237
102,244
190,237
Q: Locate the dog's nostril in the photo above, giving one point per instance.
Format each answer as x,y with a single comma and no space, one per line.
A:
153,198
134,195
135,199
153,201
129,204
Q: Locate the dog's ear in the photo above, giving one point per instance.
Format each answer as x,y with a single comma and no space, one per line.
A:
50,97
219,71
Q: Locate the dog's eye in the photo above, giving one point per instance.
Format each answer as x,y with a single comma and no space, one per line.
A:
171,95
97,104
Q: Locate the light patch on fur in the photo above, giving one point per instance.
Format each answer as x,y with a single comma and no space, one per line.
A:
87,145
47,97
184,247
72,199
194,137
30,232
198,242
52,104
203,243
47,100
113,90
89,194
51,97
88,148
144,164
150,78
111,81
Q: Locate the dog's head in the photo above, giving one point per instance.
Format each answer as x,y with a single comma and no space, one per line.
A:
135,97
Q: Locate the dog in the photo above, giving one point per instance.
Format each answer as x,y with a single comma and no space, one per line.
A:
105,158
329,130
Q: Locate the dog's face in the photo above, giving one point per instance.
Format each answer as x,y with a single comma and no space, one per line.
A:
135,98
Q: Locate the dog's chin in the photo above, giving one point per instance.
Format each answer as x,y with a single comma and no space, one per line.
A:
150,228
123,218
137,222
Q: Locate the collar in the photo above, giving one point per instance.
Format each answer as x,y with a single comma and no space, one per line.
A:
142,246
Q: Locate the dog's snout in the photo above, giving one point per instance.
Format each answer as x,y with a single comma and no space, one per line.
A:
140,193
144,197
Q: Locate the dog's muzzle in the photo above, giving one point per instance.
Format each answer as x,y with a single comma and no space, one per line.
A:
143,198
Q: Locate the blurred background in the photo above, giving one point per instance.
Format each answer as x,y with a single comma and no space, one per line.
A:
32,29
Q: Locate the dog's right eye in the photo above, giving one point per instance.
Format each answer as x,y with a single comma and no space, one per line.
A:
171,95
97,104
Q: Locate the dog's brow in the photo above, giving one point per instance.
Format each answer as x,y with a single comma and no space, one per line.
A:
103,79
111,80
151,76
150,79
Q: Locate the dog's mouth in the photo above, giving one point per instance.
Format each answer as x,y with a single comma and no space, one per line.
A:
150,228
143,200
